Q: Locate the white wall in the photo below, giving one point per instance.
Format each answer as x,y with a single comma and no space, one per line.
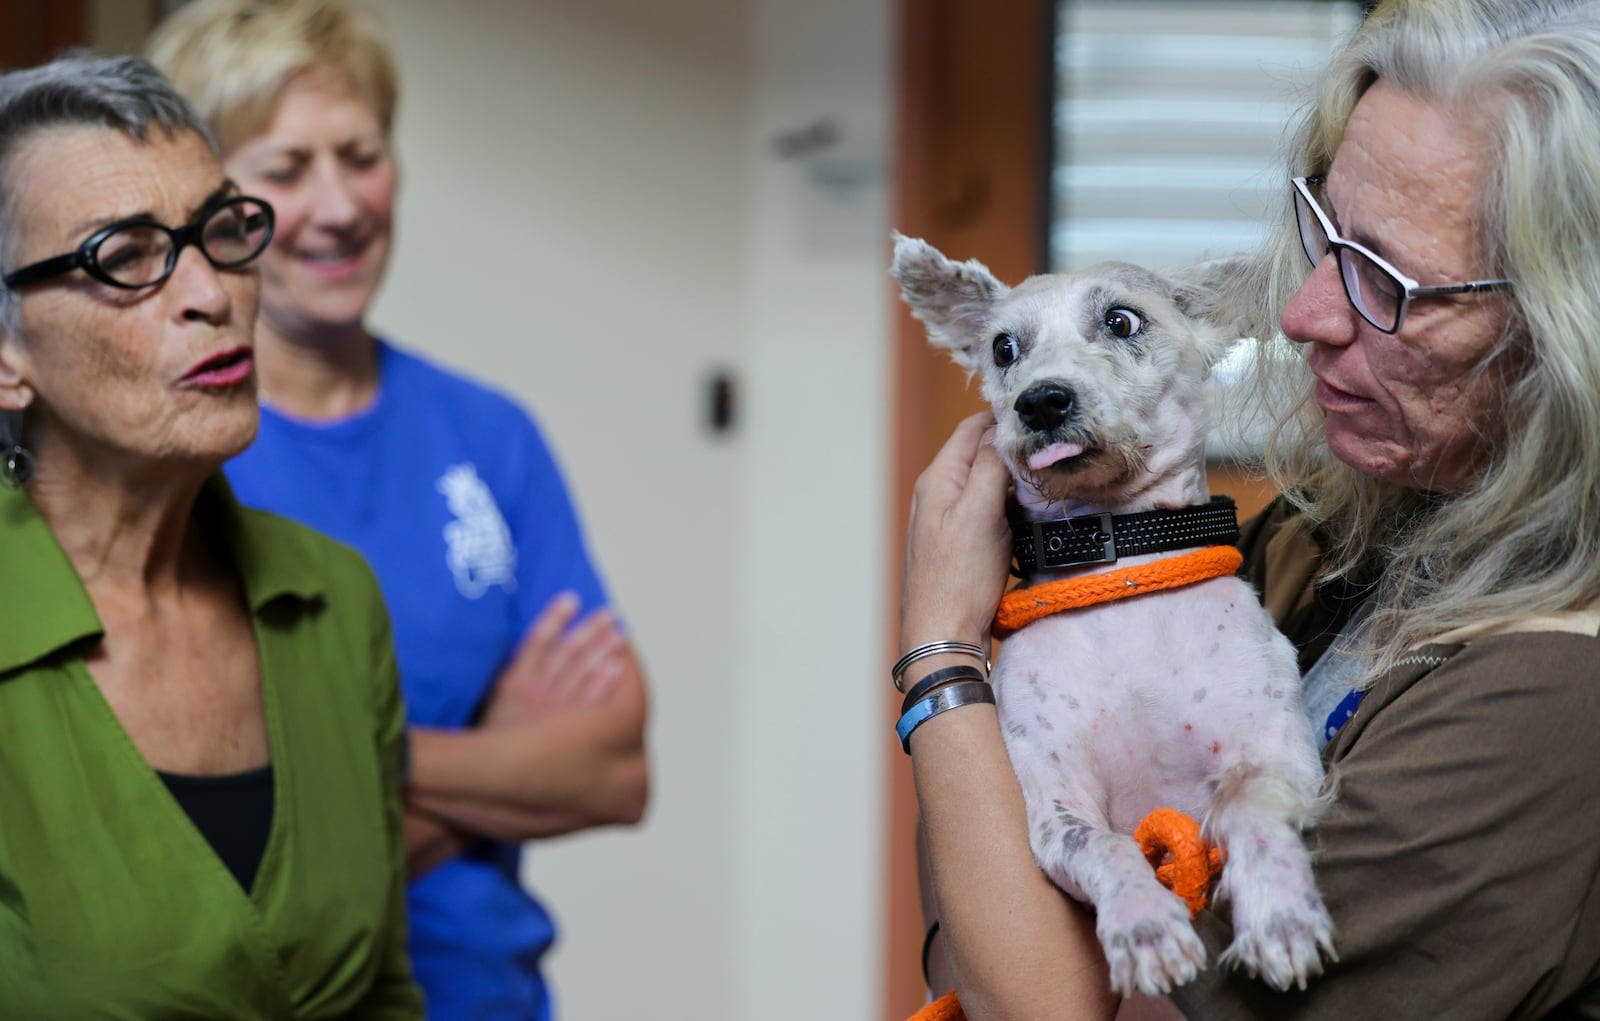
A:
810,891
593,216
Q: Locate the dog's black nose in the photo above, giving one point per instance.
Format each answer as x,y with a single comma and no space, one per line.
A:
1044,406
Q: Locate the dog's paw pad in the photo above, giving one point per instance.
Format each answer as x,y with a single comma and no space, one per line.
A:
1152,955
1286,949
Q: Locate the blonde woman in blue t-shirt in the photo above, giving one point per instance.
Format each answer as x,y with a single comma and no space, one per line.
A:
526,701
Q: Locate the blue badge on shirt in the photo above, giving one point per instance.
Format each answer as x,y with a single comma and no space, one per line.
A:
1343,711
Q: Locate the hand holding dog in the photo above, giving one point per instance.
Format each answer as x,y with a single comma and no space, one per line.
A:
958,542
559,666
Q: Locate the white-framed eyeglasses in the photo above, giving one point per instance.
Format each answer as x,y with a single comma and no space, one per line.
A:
1378,291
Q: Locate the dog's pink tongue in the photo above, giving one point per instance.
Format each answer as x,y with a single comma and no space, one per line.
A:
1053,453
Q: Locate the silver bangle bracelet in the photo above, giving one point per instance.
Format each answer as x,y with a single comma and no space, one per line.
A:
938,679
951,696
897,672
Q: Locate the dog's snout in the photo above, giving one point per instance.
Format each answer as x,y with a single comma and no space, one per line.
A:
1044,406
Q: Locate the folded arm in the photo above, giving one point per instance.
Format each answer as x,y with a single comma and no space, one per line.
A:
561,747
564,771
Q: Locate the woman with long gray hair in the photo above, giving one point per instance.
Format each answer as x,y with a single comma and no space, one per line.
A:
1435,553
200,726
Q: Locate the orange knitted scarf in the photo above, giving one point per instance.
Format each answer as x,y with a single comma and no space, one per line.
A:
1023,606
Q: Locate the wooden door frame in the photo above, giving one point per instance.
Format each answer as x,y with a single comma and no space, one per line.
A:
973,155
34,31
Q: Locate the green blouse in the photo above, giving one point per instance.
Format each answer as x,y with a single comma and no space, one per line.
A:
112,904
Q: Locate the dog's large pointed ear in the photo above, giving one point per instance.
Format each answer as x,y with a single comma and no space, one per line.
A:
1225,294
954,299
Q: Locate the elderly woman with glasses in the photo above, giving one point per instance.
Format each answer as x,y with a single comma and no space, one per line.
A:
200,725
1435,553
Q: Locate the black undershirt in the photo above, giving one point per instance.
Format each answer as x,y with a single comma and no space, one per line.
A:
233,812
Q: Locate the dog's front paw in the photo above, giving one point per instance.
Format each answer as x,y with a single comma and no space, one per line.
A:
1150,946
1283,945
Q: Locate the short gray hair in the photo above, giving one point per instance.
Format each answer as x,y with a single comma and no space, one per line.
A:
1522,539
125,94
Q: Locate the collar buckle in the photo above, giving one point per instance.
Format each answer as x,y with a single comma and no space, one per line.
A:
1082,541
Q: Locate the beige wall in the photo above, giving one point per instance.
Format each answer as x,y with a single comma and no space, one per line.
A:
570,228
593,215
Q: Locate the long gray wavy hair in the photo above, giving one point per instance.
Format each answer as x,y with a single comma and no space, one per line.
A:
1523,538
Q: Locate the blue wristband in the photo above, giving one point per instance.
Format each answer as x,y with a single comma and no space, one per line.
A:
944,699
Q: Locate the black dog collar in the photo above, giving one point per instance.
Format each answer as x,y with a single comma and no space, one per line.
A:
1102,538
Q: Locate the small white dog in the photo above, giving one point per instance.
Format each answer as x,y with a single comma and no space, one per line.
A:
1186,699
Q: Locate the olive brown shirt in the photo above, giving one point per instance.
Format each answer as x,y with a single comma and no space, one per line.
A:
1460,859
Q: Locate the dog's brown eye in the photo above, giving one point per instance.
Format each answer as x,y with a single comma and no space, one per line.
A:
1123,322
1006,349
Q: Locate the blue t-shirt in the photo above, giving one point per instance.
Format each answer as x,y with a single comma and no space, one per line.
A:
449,491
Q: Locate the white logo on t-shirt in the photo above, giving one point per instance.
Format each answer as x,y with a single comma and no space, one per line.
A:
478,543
